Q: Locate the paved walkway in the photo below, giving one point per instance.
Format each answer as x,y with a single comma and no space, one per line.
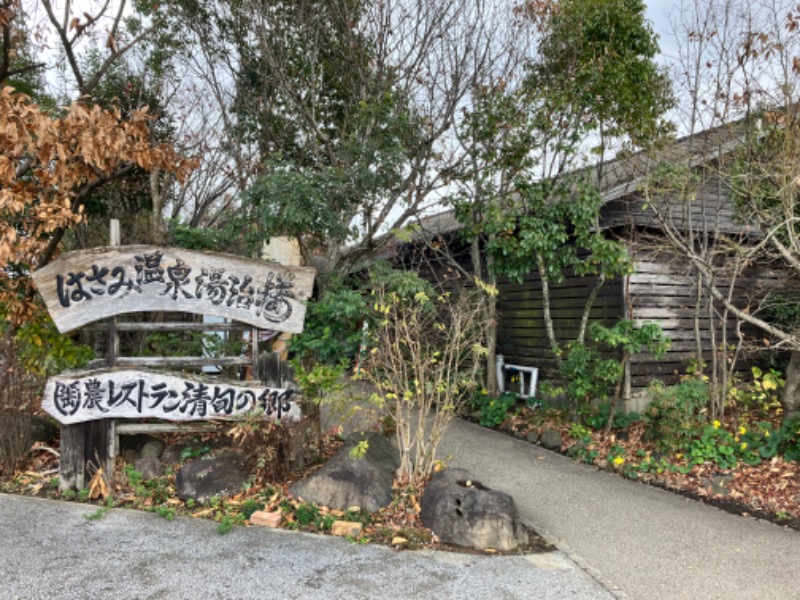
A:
49,550
615,538
640,542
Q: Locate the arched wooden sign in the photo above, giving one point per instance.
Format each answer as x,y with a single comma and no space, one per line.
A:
80,396
89,285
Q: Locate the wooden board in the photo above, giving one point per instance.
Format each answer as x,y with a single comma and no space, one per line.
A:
79,396
89,285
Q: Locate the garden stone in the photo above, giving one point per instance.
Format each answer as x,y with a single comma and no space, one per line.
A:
149,467
718,485
172,454
131,446
153,448
345,482
204,477
463,512
551,439
533,436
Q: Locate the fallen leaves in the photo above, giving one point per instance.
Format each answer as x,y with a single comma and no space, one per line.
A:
98,486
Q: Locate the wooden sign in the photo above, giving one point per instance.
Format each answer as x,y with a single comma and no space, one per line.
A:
89,285
132,394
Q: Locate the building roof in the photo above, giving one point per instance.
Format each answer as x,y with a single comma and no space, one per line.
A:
624,176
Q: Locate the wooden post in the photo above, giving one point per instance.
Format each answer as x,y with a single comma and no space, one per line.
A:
92,443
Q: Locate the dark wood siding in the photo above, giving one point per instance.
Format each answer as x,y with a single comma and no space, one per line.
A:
664,290
522,338
710,208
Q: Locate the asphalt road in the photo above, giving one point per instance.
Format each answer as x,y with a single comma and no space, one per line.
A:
50,550
642,542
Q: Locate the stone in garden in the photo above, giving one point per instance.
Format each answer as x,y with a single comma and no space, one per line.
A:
172,454
267,519
463,512
345,528
718,485
204,477
149,467
533,436
345,482
132,446
551,439
153,448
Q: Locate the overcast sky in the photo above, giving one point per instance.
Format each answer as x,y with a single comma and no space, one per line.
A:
658,13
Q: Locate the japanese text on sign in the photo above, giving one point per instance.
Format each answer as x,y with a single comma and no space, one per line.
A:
138,394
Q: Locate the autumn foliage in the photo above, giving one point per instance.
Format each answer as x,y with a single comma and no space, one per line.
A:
49,166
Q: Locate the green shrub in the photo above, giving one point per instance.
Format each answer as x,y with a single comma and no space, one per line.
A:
598,417
715,445
492,412
789,444
677,414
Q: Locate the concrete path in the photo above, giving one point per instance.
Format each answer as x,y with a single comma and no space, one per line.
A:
641,542
634,541
49,550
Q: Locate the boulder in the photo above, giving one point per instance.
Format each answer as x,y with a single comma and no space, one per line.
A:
132,447
149,467
463,512
345,482
551,439
204,477
172,454
152,448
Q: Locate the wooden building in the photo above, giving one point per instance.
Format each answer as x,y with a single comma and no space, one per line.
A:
664,288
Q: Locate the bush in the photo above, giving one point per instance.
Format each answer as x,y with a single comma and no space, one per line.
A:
677,415
492,412
598,417
19,392
424,364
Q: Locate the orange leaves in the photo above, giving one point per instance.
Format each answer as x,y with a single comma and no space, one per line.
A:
48,164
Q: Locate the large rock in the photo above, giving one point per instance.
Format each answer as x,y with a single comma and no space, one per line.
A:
202,478
141,445
345,481
551,439
149,467
462,511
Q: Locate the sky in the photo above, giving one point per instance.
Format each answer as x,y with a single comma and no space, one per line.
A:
658,13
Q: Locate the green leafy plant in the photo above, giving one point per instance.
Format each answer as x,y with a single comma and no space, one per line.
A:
42,349
97,515
790,439
716,445
167,512
760,394
308,515
597,418
334,328
193,451
492,412
584,448
228,521
677,414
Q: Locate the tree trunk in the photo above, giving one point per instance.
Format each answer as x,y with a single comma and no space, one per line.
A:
791,391
489,316
548,316
490,326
